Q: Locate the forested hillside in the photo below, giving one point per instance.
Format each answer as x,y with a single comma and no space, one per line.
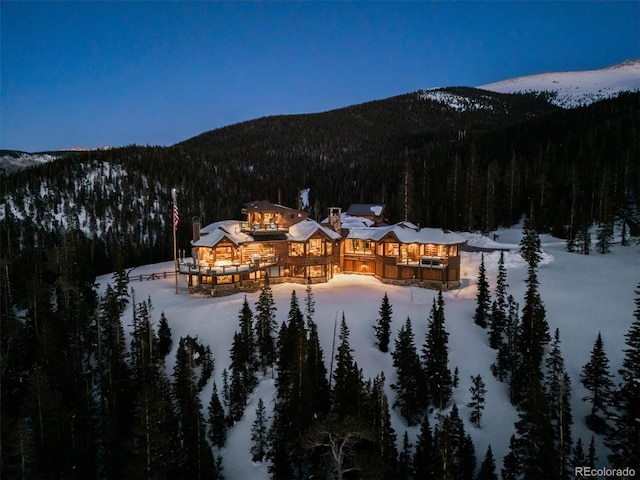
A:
462,159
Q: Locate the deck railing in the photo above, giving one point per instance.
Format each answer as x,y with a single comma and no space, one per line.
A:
192,267
269,227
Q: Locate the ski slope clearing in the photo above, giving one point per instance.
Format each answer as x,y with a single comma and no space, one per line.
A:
583,295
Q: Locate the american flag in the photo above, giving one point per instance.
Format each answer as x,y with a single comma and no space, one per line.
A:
176,216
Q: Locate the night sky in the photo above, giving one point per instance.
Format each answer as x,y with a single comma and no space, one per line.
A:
90,74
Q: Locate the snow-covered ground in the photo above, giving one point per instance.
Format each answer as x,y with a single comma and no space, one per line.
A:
576,88
583,295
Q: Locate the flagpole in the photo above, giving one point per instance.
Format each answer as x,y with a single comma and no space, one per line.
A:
174,194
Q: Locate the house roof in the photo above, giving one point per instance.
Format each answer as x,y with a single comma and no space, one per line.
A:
266,206
407,232
213,233
365,209
304,230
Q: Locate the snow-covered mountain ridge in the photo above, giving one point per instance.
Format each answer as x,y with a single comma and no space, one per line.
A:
11,161
578,88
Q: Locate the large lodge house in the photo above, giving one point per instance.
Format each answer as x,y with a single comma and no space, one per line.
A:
286,245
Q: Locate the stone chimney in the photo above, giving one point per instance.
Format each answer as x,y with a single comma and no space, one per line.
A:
196,229
335,218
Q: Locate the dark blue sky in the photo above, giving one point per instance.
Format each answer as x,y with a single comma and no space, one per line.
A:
91,74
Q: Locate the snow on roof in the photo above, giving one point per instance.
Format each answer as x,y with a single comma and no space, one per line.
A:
305,229
358,209
215,232
407,232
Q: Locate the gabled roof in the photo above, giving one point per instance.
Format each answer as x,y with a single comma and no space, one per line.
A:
365,209
304,230
407,232
266,206
215,232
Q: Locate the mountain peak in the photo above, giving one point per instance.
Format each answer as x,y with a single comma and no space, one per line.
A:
573,89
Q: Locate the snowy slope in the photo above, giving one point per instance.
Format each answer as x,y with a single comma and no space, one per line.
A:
574,89
11,161
583,295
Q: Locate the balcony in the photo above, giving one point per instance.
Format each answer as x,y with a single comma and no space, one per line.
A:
269,228
424,262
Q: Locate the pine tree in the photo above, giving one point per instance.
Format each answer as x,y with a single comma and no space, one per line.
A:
477,390
309,306
425,460
557,387
243,379
191,368
511,466
591,457
535,437
598,381
408,386
346,379
487,467
154,444
463,449
483,299
583,240
165,341
604,238
624,437
280,468
499,307
507,356
265,327
405,459
382,328
532,338
317,371
217,421
435,356
384,434
259,433
578,459
530,244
